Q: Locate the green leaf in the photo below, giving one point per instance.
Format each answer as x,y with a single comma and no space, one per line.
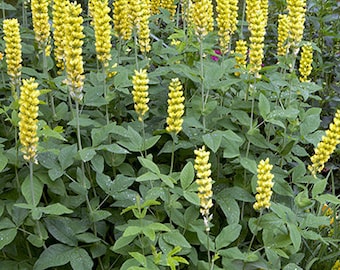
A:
150,165
264,106
249,164
87,237
98,215
66,156
35,240
187,175
150,142
319,187
191,197
228,235
175,238
60,228
55,172
292,266
327,198
229,207
32,193
167,180
213,140
132,231
3,161
310,124
139,257
294,235
56,209
87,154
55,255
6,6
7,236
80,259
122,242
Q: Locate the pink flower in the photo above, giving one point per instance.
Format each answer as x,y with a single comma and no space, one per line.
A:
215,57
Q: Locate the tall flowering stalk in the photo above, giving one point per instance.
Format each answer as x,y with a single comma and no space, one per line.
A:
140,93
154,6
226,21
73,51
336,265
240,55
175,107
326,146
204,182
122,19
282,35
257,25
201,14
264,9
264,185
306,62
59,13
41,24
28,123
296,18
12,39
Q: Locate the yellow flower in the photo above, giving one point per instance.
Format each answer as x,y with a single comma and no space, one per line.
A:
257,33
13,49
201,17
296,18
336,266
1,56
122,19
102,30
154,6
282,34
140,11
240,55
73,50
264,185
306,62
112,72
264,8
59,13
175,107
226,20
327,146
41,24
170,6
203,180
28,114
140,92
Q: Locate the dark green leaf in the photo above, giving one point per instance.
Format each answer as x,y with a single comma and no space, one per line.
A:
175,238
80,259
187,175
228,235
32,191
87,154
213,140
61,230
55,255
264,106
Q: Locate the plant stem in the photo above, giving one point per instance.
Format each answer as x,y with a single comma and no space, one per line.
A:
78,126
202,84
243,17
172,154
136,48
256,230
45,72
31,182
105,94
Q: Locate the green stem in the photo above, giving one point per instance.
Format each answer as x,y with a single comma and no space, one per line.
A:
78,126
256,230
172,154
105,95
136,49
202,84
243,17
208,246
45,72
31,182
143,132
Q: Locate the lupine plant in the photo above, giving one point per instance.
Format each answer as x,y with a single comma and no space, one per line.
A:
169,134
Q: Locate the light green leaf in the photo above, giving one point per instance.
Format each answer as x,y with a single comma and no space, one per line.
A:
213,140
264,106
319,187
191,197
132,230
187,175
294,235
149,142
60,229
7,236
327,198
87,154
66,156
80,259
139,257
175,238
149,164
55,255
3,161
229,207
122,242
87,237
228,235
98,215
32,193
249,164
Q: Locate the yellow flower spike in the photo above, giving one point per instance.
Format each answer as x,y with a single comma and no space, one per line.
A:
154,6
226,21
59,13
257,33
175,107
204,182
170,6
326,147
296,18
122,19
282,35
28,123
306,62
73,50
336,265
12,39
264,9
264,185
102,29
41,24
241,55
201,17
140,92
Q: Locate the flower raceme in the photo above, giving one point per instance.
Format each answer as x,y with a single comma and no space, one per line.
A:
326,147
140,93
28,114
306,62
296,19
201,17
102,30
122,19
264,185
12,39
41,24
240,55
169,5
141,12
282,34
204,182
175,107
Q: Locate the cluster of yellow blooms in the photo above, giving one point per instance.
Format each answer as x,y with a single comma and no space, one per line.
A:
41,24
28,114
154,6
141,12
175,107
170,6
306,62
264,8
336,265
122,20
140,93
264,185
257,30
102,30
240,55
282,34
296,19
59,13
73,51
327,146
328,212
201,17
12,39
226,20
204,182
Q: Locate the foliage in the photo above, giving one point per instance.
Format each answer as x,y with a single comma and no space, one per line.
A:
112,191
